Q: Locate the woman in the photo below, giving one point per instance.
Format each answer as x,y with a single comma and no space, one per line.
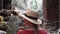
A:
13,24
31,22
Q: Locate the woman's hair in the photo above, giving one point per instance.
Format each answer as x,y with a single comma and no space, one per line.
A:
30,24
14,13
6,13
35,26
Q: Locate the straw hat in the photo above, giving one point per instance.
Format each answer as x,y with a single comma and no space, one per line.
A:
32,16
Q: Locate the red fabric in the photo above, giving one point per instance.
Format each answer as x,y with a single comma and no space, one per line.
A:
31,32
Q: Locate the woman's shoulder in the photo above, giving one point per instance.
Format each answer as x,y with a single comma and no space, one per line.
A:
42,31
21,31
25,32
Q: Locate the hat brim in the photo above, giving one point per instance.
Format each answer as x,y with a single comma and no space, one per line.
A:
31,20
